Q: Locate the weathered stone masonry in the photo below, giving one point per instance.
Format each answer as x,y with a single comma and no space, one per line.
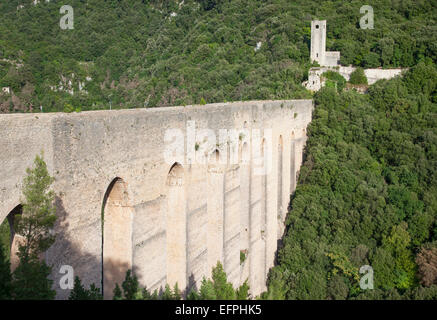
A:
169,222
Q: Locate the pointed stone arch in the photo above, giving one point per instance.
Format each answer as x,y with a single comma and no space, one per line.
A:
117,215
14,239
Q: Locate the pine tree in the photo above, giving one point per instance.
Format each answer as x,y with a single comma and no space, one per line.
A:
242,292
30,278
207,291
223,289
38,216
95,293
155,295
117,293
80,293
176,292
193,295
130,286
130,289
5,276
146,294
30,281
167,294
219,288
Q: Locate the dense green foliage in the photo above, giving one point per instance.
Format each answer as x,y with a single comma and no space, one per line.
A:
216,288
5,238
30,278
38,217
79,292
366,194
160,53
335,80
367,188
358,76
29,281
5,276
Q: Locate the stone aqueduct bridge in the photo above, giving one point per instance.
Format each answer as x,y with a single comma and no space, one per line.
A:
169,222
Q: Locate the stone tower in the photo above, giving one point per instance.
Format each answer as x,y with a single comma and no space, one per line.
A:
318,41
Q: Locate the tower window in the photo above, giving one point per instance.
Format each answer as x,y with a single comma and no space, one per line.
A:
317,55
317,26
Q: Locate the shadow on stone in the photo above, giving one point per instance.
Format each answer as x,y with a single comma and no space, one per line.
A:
88,267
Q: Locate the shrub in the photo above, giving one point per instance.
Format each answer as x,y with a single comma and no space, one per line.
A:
80,293
337,79
427,264
358,76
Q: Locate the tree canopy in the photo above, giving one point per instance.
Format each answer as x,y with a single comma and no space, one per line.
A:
134,54
366,195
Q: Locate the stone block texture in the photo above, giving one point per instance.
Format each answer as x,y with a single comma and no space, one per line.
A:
121,204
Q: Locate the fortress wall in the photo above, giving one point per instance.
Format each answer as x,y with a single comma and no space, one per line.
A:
332,58
315,83
374,75
86,151
346,71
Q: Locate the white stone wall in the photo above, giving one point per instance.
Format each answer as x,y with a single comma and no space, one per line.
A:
330,60
315,83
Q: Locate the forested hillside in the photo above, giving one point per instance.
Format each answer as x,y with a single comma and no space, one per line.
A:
367,195
131,53
367,191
